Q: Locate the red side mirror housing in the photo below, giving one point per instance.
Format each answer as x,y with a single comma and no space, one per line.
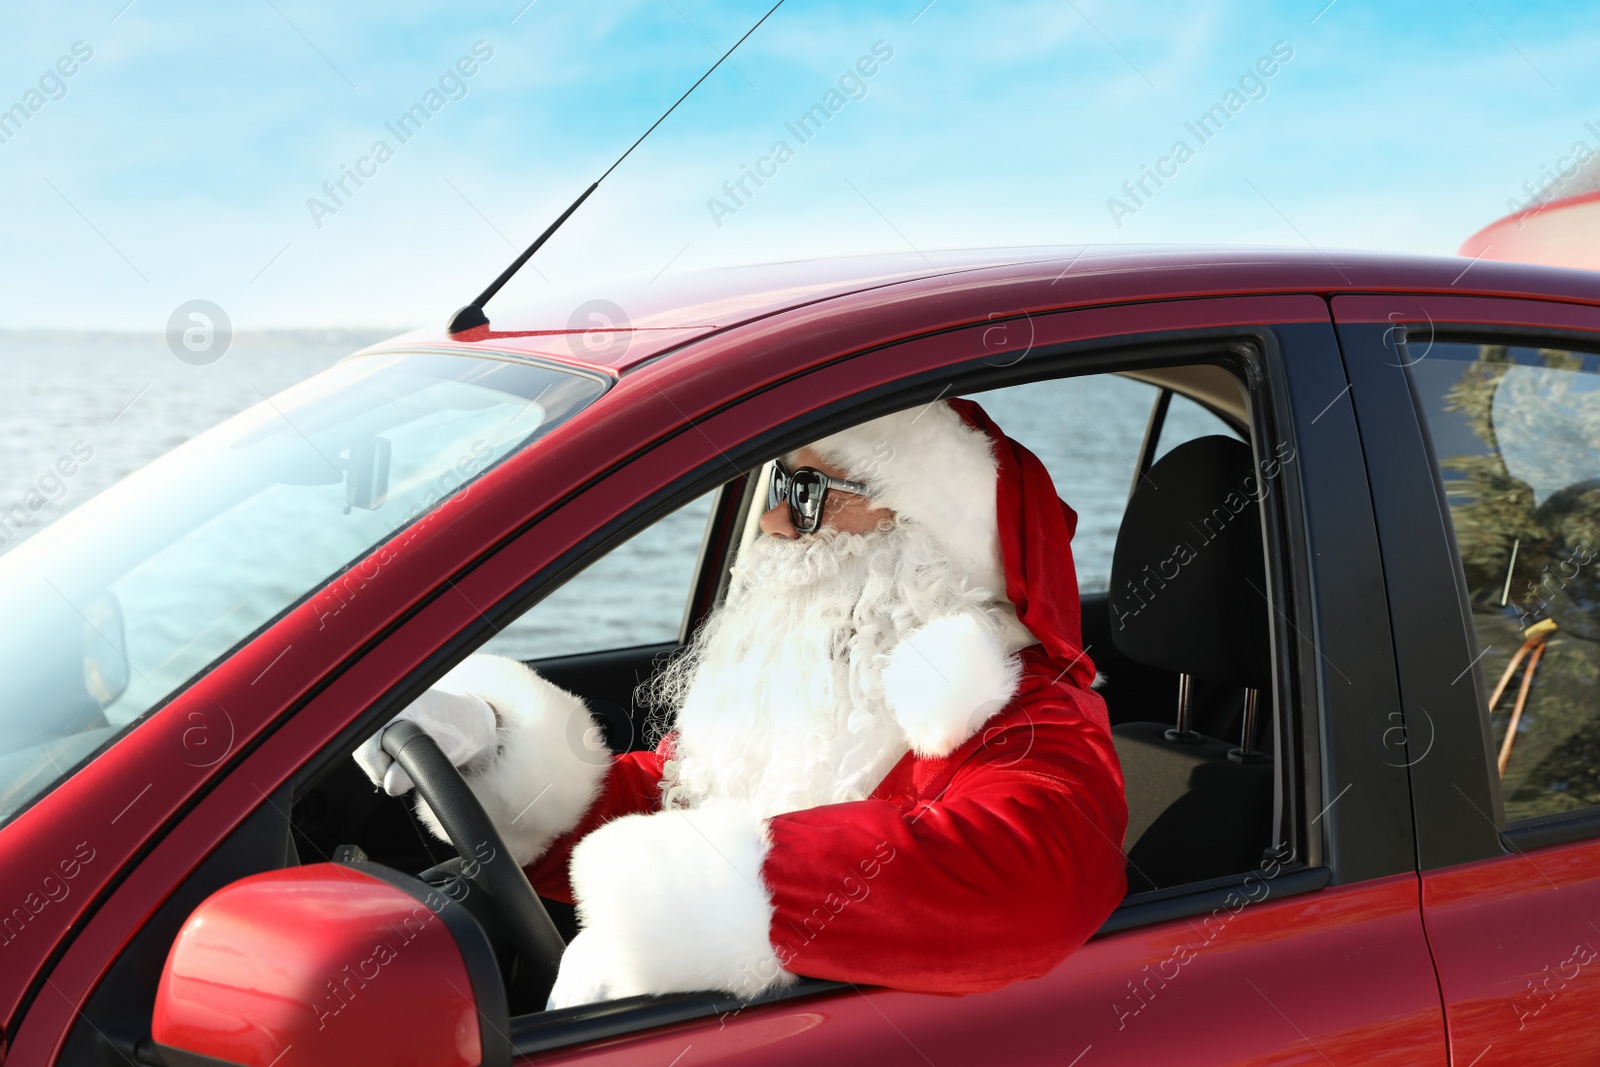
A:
331,964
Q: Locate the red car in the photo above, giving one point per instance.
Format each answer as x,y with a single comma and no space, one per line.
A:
1374,838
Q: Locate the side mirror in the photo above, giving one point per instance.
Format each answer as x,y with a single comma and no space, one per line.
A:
331,964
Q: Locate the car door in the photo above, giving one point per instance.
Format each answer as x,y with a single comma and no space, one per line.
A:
1319,954
1478,422
1316,953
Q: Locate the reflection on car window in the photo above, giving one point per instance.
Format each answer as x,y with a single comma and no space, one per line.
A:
1517,435
634,595
120,603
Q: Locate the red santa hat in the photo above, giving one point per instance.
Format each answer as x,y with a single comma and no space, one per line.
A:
1035,530
992,506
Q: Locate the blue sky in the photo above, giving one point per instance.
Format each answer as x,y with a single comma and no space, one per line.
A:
179,162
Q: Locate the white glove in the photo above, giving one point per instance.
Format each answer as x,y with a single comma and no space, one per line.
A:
582,978
462,724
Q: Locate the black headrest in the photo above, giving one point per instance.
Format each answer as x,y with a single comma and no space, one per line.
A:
1187,554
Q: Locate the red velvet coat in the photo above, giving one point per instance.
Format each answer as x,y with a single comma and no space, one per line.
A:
956,875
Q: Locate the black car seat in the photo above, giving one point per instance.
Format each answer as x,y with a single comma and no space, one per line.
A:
1188,595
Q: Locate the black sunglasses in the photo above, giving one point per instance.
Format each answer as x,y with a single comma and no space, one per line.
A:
806,490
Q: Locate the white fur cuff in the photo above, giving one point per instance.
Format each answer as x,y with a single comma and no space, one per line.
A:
945,680
549,763
671,902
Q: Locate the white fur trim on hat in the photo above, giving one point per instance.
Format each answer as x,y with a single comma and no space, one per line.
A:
945,680
927,464
549,764
671,902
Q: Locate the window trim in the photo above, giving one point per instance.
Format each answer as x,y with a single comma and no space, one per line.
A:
725,528
1154,424
583,1024
1560,828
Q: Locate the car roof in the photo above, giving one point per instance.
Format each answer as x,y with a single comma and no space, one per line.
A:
663,314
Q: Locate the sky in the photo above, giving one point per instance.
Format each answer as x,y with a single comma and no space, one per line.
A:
186,155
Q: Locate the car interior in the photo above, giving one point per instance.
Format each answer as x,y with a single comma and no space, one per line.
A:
1187,676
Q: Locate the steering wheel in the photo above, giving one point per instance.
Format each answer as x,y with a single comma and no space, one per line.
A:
486,863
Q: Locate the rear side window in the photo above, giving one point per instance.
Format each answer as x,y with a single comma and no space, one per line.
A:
1087,432
1516,434
1187,420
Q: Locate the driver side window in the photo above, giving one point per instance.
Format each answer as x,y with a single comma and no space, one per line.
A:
634,595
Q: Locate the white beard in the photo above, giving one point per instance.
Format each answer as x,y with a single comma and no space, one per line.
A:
779,699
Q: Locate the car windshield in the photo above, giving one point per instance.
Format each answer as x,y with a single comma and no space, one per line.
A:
116,606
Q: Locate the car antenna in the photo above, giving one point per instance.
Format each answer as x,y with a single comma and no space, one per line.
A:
472,316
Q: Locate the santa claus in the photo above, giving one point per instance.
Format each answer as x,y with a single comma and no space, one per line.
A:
883,761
